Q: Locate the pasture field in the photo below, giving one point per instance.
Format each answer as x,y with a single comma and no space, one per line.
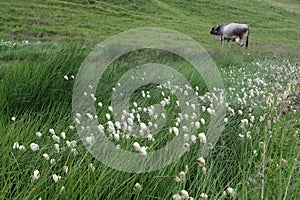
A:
44,43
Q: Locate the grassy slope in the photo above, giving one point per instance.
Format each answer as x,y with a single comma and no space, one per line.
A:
272,22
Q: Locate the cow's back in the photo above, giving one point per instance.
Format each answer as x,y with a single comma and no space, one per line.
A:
232,30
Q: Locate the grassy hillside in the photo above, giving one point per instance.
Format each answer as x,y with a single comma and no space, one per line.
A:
272,22
42,156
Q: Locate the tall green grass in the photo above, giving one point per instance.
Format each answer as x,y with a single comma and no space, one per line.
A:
33,89
35,81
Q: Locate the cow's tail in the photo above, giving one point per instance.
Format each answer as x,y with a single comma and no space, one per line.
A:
247,37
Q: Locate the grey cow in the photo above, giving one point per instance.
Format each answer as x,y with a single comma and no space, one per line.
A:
232,31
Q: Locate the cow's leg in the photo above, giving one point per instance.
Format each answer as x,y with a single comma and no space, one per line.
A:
241,43
238,41
243,39
222,40
228,43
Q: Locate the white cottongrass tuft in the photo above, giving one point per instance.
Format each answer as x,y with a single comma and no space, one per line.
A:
252,118
77,120
91,167
90,116
65,169
22,148
100,128
90,140
225,119
137,187
74,151
203,170
55,138
197,125
210,146
182,175
210,111
46,156
69,144
111,127
176,197
93,97
118,125
36,175
16,145
184,194
203,196
38,134
66,77
175,130
52,161
193,138
230,191
177,179
51,130
142,150
150,137
34,147
110,108
143,126
202,121
56,177
62,189
244,122
186,146
63,135
202,137
201,161
56,147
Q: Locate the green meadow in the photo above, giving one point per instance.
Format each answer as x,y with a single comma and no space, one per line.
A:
44,43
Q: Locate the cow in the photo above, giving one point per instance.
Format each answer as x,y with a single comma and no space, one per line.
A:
232,31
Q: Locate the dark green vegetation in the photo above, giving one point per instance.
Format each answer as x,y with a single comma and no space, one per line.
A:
33,89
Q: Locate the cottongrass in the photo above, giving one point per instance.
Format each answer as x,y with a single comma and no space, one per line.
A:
137,187
251,96
56,177
34,147
36,175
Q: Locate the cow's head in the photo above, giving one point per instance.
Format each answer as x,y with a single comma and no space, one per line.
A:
214,30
